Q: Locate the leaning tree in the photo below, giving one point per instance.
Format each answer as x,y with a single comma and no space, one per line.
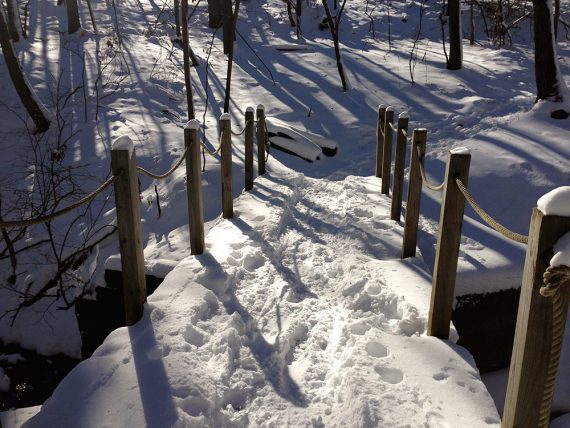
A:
31,102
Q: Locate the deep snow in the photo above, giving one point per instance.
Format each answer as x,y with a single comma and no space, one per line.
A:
517,156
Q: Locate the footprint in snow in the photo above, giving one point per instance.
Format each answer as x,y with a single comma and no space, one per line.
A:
376,349
390,375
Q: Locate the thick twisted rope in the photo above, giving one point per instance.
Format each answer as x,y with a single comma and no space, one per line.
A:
167,173
215,152
517,237
428,184
553,277
52,216
237,134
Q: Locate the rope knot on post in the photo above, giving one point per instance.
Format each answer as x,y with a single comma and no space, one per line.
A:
554,277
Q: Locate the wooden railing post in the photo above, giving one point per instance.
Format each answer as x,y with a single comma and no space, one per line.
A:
533,334
127,201
414,194
380,139
249,148
226,168
260,138
399,160
387,151
447,251
194,187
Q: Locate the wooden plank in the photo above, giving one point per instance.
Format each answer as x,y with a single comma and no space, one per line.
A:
248,149
399,160
387,151
194,187
447,250
260,139
380,139
412,216
127,201
226,168
533,334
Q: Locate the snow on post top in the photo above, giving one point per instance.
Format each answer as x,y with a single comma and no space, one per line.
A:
390,108
225,116
381,106
192,124
249,110
460,151
261,107
556,202
124,142
404,115
561,252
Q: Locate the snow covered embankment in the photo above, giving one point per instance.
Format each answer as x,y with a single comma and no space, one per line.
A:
299,314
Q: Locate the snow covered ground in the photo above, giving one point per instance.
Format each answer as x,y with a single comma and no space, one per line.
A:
299,314
300,309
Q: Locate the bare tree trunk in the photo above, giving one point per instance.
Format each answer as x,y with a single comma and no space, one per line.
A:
228,28
334,24
215,13
14,23
455,51
556,18
548,86
231,59
91,15
186,51
73,23
23,88
177,16
471,24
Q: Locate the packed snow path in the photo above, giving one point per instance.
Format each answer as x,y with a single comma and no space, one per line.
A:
300,313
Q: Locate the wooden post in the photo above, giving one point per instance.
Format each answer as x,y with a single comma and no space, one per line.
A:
399,160
414,195
226,169
260,138
194,187
387,151
447,251
249,148
127,201
380,138
533,334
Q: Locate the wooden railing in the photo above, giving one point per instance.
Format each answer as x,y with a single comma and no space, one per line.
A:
540,321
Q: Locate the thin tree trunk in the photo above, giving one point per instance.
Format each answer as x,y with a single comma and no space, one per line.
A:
231,60
455,53
92,15
23,88
334,24
471,25
186,50
73,23
177,16
14,23
556,18
228,28
548,86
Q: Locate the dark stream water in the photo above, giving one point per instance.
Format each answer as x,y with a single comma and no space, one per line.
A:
33,377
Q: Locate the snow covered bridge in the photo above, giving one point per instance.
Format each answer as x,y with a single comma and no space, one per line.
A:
300,313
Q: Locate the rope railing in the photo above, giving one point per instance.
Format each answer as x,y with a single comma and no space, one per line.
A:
54,215
237,134
523,239
167,173
215,152
553,277
428,184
